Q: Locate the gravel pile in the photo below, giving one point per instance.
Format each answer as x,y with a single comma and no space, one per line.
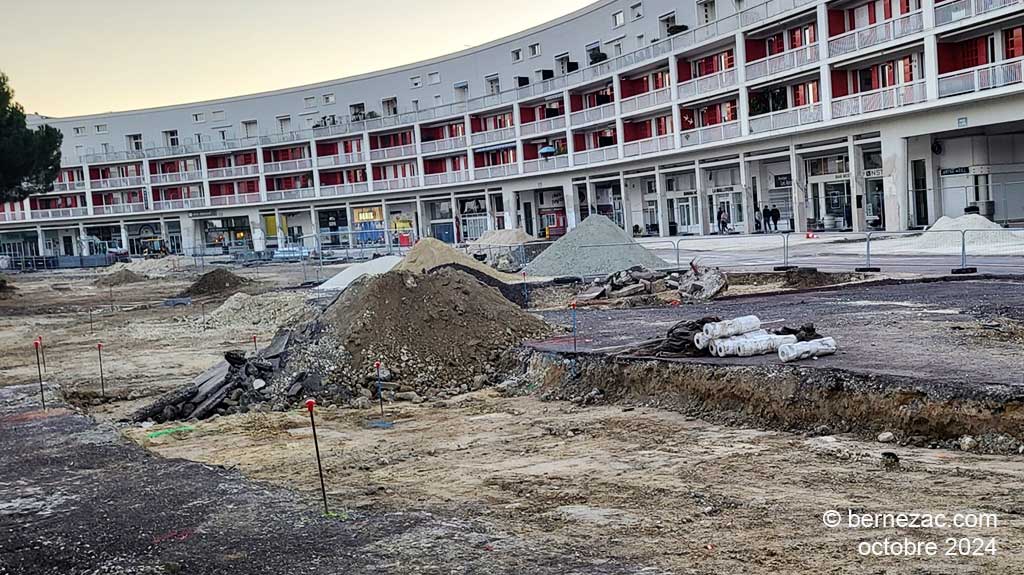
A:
269,310
596,247
119,278
156,267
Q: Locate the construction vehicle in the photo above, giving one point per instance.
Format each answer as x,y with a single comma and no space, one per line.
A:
154,247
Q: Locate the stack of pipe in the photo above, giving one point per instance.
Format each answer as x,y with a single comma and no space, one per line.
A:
742,337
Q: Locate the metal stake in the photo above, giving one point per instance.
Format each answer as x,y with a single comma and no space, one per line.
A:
573,306
380,392
39,370
255,349
99,352
42,350
310,404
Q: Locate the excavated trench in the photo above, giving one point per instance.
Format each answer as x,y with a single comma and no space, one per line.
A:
795,398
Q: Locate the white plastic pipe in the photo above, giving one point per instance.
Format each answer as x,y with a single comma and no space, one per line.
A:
731,327
714,344
807,349
747,347
700,341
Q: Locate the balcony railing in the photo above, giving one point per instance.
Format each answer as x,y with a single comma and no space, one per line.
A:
340,160
492,100
443,145
395,184
496,171
12,216
709,134
130,208
782,62
179,150
391,120
648,146
875,100
393,152
343,189
176,177
880,33
594,114
234,171
60,213
286,137
235,199
545,164
499,135
543,126
954,10
182,204
786,119
445,111
125,156
293,194
542,87
234,144
699,87
287,166
112,183
69,186
646,100
981,78
595,156
761,12
446,178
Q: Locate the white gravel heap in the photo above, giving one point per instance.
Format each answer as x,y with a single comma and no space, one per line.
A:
596,247
984,237
269,310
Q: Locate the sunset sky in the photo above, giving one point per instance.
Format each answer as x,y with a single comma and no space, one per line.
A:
71,57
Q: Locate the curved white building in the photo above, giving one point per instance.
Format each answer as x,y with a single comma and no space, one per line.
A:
671,116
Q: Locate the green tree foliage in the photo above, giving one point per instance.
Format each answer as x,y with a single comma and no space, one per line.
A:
29,159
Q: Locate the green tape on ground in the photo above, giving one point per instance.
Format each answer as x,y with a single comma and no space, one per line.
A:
162,432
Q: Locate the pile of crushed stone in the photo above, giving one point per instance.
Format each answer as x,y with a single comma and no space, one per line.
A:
430,253
156,267
119,278
596,247
268,310
503,238
218,281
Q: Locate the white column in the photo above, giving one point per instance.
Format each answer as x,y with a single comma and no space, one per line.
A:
824,70
421,219
368,165
663,215
931,67
570,143
677,119
856,186
620,132
591,198
516,121
316,171
508,201
470,160
387,227
124,235
572,205
82,245
419,155
26,206
740,61
702,198
263,178
206,179
281,238
627,207
487,206
894,166
314,224
456,234
41,240
798,184
748,195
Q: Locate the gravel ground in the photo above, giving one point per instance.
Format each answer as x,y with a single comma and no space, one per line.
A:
596,247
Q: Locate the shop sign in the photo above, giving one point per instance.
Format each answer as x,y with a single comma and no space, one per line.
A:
873,173
783,181
954,171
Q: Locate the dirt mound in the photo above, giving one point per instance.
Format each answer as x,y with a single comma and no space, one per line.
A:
596,247
504,238
810,277
429,254
119,278
218,281
6,286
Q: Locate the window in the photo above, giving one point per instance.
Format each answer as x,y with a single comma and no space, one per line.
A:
533,50
309,122
618,19
493,84
667,22
171,138
390,106
636,11
218,115
437,99
706,11
101,128
197,138
416,81
284,124
640,41
562,64
416,105
105,148
328,99
249,129
133,142
79,130
461,91
222,134
198,118
616,48
517,55
434,78
309,102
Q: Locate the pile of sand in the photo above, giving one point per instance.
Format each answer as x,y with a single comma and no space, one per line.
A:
514,237
119,278
218,281
596,247
429,254
353,272
947,236
156,267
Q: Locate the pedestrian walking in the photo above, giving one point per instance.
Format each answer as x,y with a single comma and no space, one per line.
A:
776,216
766,217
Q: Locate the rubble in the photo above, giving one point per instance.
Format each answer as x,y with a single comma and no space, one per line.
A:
699,283
216,282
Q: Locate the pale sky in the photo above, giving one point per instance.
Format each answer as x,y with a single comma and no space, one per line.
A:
72,57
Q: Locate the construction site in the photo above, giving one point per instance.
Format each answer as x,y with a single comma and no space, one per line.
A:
510,406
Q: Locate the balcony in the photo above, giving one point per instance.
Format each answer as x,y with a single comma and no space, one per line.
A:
235,200
785,119
288,166
444,145
876,100
114,183
294,194
236,144
700,87
445,178
286,137
545,164
980,78
782,62
182,204
595,114
595,156
130,208
499,135
126,156
234,171
492,100
648,146
175,177
390,120
880,33
68,186
543,126
445,111
395,184
496,171
179,150
339,160
956,10
59,213
393,152
541,88
343,190
761,12
710,134
646,100
12,216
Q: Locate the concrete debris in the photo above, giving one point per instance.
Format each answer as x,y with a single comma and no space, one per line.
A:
596,247
886,437
631,282
699,283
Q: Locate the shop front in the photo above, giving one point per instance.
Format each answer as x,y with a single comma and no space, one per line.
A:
225,234
368,226
440,219
472,217
828,198
333,227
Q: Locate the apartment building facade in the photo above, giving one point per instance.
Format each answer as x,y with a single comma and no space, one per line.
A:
669,116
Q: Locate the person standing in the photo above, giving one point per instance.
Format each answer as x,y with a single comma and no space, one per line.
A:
766,217
757,220
776,216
